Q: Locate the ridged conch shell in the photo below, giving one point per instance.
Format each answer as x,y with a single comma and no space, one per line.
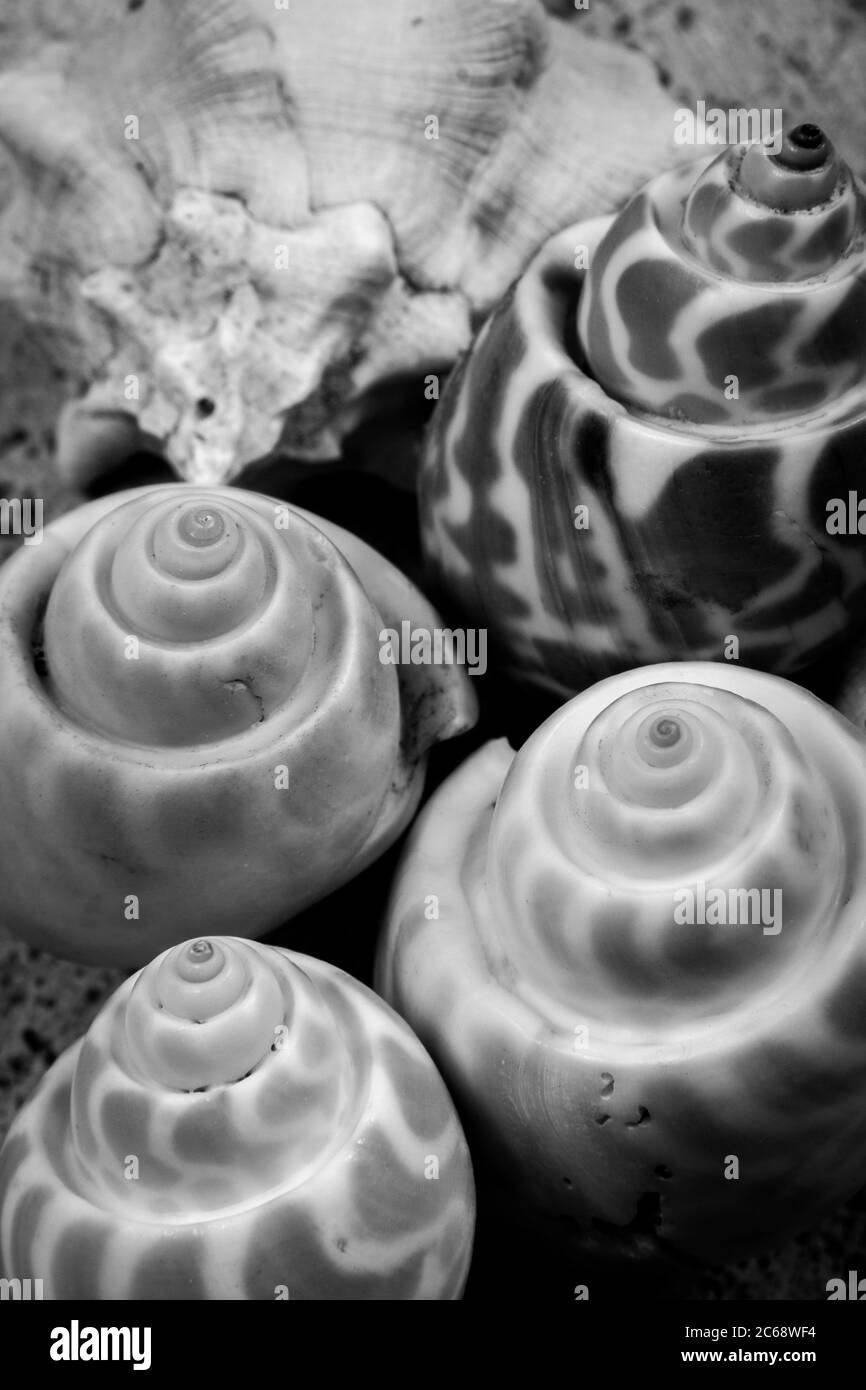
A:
636,461
637,951
239,1122
197,719
234,223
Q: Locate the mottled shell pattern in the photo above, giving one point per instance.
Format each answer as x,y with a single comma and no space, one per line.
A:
702,278
232,225
197,721
239,1122
648,955
635,462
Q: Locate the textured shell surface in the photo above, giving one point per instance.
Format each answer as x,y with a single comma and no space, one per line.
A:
275,211
649,955
636,461
239,1122
196,719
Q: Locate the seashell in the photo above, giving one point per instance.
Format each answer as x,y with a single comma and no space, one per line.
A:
197,719
624,1020
234,226
636,460
239,1122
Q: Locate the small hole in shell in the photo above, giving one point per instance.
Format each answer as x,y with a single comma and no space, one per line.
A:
204,407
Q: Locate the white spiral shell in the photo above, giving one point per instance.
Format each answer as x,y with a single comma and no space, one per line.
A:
239,1122
197,722
650,954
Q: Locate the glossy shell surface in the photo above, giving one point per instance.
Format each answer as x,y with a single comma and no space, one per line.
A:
647,956
197,721
239,1122
635,461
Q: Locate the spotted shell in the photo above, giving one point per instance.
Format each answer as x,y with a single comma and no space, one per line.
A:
196,719
239,1122
636,461
643,975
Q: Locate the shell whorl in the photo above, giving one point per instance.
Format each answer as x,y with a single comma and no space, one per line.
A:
609,1049
607,830
219,1048
187,619
241,1122
198,725
731,293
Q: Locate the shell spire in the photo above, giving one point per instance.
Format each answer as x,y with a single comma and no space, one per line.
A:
791,215
653,956
216,1032
221,618
637,458
240,1122
197,718
747,277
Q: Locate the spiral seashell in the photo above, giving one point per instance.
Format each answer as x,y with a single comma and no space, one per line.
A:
649,956
239,1122
196,719
636,461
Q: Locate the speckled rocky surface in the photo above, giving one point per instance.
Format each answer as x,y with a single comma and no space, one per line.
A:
804,57
45,1005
